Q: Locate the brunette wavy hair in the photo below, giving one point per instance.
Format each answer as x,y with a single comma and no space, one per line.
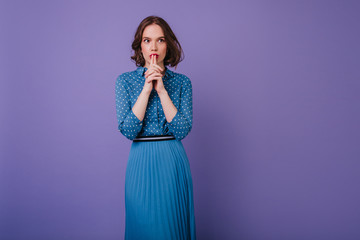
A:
174,52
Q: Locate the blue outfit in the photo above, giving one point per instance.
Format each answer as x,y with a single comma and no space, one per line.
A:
158,183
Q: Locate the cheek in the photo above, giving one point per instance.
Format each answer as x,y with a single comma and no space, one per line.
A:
164,50
143,48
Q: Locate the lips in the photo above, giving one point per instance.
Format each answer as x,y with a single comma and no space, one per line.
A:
157,55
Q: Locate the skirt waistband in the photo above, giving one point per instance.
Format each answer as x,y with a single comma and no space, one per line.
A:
153,138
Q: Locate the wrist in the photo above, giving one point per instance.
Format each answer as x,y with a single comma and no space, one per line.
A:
146,92
162,93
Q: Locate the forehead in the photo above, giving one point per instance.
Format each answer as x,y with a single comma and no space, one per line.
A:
153,31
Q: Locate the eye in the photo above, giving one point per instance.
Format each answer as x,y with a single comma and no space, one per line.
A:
162,40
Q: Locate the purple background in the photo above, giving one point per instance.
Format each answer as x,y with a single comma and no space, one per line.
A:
274,150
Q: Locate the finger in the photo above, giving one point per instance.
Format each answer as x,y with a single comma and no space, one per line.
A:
151,71
148,72
150,79
153,76
158,68
155,67
153,59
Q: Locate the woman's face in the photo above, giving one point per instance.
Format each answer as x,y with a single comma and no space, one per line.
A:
153,42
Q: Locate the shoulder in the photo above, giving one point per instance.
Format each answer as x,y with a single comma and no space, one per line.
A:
125,78
182,79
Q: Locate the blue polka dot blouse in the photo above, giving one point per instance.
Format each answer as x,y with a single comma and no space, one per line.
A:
128,88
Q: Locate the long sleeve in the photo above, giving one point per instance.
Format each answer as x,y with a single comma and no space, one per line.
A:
128,124
181,124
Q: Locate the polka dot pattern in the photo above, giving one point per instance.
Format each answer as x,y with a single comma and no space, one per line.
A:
128,87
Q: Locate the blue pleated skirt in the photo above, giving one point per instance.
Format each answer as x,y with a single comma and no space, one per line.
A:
159,192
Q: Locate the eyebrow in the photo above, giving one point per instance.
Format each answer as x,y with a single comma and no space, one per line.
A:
158,37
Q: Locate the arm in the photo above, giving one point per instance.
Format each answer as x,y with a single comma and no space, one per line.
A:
179,121
129,124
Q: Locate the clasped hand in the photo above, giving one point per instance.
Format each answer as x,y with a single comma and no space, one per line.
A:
153,77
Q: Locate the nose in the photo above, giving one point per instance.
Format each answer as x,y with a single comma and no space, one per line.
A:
153,46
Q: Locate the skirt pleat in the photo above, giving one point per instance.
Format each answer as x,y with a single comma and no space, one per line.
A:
159,192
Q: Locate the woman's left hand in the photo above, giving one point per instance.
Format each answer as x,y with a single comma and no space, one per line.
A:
153,69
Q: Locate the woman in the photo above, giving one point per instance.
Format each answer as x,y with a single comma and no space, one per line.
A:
154,110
